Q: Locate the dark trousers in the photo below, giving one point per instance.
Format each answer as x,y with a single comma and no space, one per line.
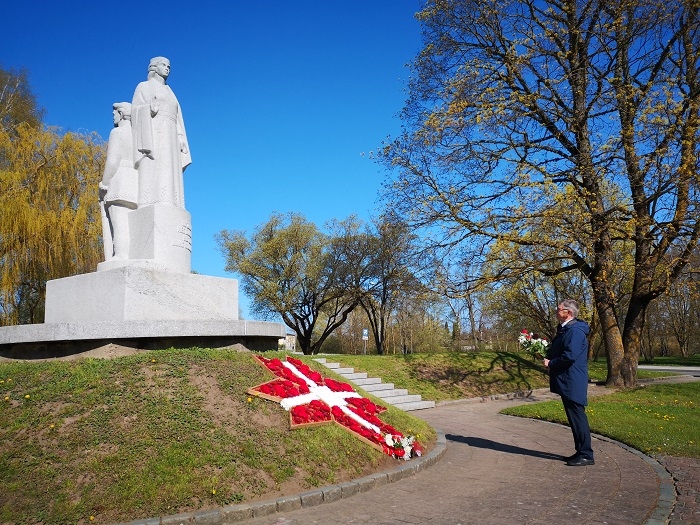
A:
576,414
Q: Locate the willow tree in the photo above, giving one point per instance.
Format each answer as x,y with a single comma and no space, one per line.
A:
523,110
290,269
49,219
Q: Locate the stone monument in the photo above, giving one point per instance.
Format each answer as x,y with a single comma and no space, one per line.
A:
144,292
118,190
146,274
159,229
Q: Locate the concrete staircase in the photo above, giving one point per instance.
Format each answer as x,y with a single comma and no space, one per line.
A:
398,397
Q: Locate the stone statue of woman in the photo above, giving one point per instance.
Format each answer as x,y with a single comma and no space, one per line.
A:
119,186
160,144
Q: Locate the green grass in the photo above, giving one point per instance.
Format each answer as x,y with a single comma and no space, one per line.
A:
693,360
452,375
455,375
164,432
598,371
657,419
159,433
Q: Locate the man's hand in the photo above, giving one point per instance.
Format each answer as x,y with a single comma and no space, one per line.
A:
546,363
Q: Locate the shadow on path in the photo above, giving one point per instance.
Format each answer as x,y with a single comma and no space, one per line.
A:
495,445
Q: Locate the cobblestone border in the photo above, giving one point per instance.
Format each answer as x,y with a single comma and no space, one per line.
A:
236,513
667,487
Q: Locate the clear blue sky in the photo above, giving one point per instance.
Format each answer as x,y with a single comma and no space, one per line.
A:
280,98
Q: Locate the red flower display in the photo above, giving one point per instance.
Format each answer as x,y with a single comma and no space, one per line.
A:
312,400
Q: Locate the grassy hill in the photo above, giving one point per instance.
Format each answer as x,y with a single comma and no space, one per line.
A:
159,433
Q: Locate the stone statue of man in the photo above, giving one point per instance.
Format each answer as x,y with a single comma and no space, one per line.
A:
160,143
119,186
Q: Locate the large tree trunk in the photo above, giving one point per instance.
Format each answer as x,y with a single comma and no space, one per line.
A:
632,339
604,300
612,338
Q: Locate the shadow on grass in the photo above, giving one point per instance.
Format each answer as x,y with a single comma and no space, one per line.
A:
503,368
501,447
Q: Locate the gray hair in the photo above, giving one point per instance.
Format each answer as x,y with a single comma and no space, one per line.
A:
570,305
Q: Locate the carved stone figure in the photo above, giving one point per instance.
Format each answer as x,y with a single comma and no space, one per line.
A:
160,143
119,186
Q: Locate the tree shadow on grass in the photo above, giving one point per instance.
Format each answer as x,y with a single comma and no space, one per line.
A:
502,447
503,372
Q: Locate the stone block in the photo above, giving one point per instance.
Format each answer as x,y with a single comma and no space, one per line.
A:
208,517
147,521
287,503
265,508
380,479
311,498
178,519
365,484
235,513
331,493
133,293
163,234
348,489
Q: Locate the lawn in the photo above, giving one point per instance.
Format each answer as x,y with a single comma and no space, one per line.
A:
693,360
452,375
455,375
159,433
656,419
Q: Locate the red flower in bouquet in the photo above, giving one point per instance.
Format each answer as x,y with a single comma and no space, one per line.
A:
533,344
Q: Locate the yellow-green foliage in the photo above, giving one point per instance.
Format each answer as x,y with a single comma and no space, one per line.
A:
49,216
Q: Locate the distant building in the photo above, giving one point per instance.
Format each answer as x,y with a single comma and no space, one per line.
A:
288,343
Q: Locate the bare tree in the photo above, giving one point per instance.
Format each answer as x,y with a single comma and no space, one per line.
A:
391,254
567,126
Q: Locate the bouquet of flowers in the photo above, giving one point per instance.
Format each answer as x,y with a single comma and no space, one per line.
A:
402,447
533,344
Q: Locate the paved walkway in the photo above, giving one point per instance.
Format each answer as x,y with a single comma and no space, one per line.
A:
500,470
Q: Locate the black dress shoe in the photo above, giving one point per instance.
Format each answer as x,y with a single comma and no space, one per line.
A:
580,461
573,456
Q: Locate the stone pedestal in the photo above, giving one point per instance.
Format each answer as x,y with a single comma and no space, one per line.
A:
160,237
136,293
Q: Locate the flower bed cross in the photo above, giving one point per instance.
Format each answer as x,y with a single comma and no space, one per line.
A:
312,400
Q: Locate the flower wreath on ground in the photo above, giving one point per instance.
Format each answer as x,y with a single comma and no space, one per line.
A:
312,399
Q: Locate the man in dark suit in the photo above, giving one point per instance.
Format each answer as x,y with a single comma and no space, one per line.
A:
568,377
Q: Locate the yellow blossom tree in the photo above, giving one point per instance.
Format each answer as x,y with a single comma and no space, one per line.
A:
49,216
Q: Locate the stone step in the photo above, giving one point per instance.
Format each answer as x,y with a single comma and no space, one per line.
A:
355,376
396,400
390,394
397,397
367,382
415,405
375,387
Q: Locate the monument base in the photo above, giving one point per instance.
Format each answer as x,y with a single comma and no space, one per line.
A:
49,341
136,293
